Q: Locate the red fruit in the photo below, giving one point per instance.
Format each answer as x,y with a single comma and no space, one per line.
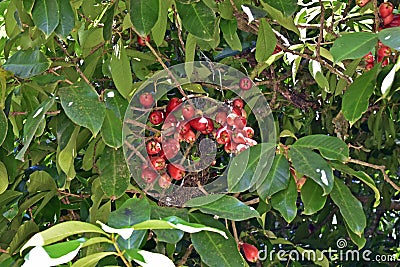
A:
164,181
170,148
182,127
220,117
153,147
146,100
249,132
250,142
369,66
172,104
369,58
385,9
245,83
189,136
250,252
156,117
209,127
238,137
230,119
176,171
277,50
238,103
199,124
230,147
385,62
362,3
241,148
148,175
239,122
237,111
188,112
157,162
223,136
395,22
384,51
387,20
141,41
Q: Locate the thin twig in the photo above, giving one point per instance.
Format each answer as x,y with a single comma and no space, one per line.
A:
234,230
376,15
16,113
253,201
377,167
186,255
178,26
321,31
131,147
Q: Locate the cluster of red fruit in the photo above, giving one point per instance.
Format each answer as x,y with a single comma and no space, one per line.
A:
182,122
388,18
384,53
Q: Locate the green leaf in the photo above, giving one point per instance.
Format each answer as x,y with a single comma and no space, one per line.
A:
114,173
150,259
353,45
3,178
390,37
144,15
28,5
277,178
41,181
266,41
285,201
350,207
25,230
229,28
312,165
92,259
226,207
364,177
330,147
32,123
82,106
60,231
198,19
214,250
53,255
190,53
67,19
111,130
66,155
27,63
360,241
284,21
356,98
158,31
121,70
287,7
312,197
318,75
350,70
3,127
46,15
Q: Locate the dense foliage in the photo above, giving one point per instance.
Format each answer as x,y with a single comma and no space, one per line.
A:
329,70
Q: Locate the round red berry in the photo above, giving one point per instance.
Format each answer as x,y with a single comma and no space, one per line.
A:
245,83
146,100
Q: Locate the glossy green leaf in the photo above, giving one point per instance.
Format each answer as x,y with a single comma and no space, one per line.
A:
353,45
356,98
111,130
46,15
32,123
198,19
350,70
350,207
144,15
114,173
312,197
60,231
108,20
360,241
40,181
226,207
82,106
53,255
214,250
158,31
66,155
229,28
277,178
67,19
3,127
286,22
3,178
312,165
27,63
121,70
287,7
330,147
28,5
92,259
266,41
364,177
285,201
390,37
26,230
